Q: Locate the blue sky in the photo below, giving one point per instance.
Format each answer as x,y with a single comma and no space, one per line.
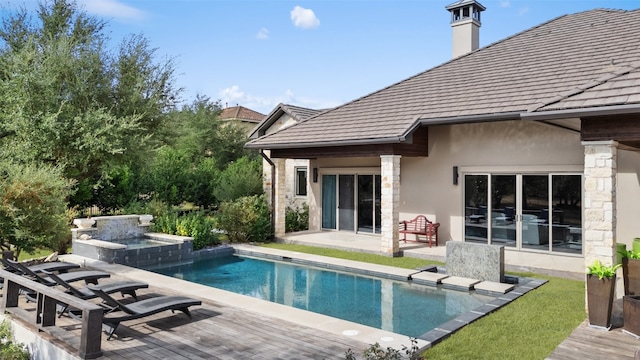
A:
315,54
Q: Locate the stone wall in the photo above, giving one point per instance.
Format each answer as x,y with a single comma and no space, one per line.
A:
476,261
109,239
110,228
599,223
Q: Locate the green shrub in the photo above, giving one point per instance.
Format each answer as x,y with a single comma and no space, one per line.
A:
245,219
33,204
297,218
200,227
376,352
194,224
241,178
8,349
166,223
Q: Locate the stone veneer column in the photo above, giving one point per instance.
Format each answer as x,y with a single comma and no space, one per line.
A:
267,177
279,198
390,201
599,223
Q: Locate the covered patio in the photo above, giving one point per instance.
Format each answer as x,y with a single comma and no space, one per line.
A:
541,263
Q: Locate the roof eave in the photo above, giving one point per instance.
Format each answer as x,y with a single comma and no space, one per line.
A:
387,140
583,112
470,119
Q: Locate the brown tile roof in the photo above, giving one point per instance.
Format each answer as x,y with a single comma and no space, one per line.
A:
589,59
298,113
241,113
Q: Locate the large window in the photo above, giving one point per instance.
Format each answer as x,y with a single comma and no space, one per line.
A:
525,211
301,181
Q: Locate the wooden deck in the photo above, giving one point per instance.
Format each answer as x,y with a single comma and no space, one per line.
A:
214,332
586,343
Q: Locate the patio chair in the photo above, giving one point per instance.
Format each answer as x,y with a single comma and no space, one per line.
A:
84,293
89,276
57,266
117,312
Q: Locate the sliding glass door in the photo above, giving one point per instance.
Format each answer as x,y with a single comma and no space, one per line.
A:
351,202
346,206
369,203
525,211
329,197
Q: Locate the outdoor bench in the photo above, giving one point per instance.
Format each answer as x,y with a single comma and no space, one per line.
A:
420,226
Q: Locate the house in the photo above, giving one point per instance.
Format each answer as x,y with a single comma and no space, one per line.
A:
241,116
297,170
531,142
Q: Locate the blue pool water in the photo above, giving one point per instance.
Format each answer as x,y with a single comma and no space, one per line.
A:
400,307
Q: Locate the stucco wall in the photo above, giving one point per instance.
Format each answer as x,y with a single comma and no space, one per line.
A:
510,147
628,197
427,183
514,146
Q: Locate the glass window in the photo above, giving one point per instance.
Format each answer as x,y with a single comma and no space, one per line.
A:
566,218
475,202
301,181
529,211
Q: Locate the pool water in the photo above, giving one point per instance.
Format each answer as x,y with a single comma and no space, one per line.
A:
399,307
140,243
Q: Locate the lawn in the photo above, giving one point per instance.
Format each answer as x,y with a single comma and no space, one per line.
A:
529,328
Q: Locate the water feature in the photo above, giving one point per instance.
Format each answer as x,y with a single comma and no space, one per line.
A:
127,240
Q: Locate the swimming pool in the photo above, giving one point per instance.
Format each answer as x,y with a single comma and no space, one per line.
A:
396,306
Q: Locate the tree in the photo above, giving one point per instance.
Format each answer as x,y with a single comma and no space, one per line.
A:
197,130
33,203
241,178
65,100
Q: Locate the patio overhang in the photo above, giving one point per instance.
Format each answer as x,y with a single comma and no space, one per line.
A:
413,145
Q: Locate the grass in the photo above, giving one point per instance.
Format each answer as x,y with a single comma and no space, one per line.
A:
529,328
38,253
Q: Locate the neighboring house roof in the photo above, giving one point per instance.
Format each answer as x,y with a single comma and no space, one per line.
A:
240,113
589,60
298,113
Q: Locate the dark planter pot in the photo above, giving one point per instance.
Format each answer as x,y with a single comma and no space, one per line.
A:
600,300
631,314
631,276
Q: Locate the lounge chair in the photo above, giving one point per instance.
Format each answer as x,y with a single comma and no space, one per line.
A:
57,266
124,287
89,276
117,312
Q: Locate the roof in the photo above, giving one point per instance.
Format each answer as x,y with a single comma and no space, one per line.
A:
298,113
461,3
588,60
241,113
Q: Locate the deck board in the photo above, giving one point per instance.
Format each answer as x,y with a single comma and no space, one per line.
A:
586,343
215,331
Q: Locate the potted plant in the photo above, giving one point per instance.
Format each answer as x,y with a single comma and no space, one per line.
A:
631,314
601,281
631,272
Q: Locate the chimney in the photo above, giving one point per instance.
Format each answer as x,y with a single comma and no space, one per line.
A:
465,23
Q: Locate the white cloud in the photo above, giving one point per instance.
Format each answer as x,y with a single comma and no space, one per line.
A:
523,11
505,4
233,96
113,9
304,18
263,34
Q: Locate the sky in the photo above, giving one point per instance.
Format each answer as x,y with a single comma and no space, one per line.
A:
310,53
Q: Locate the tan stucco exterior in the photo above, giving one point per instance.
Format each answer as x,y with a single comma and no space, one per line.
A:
511,147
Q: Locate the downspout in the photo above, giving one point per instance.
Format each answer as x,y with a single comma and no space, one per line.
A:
273,189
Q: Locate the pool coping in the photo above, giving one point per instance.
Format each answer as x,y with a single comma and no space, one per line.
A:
504,293
354,331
